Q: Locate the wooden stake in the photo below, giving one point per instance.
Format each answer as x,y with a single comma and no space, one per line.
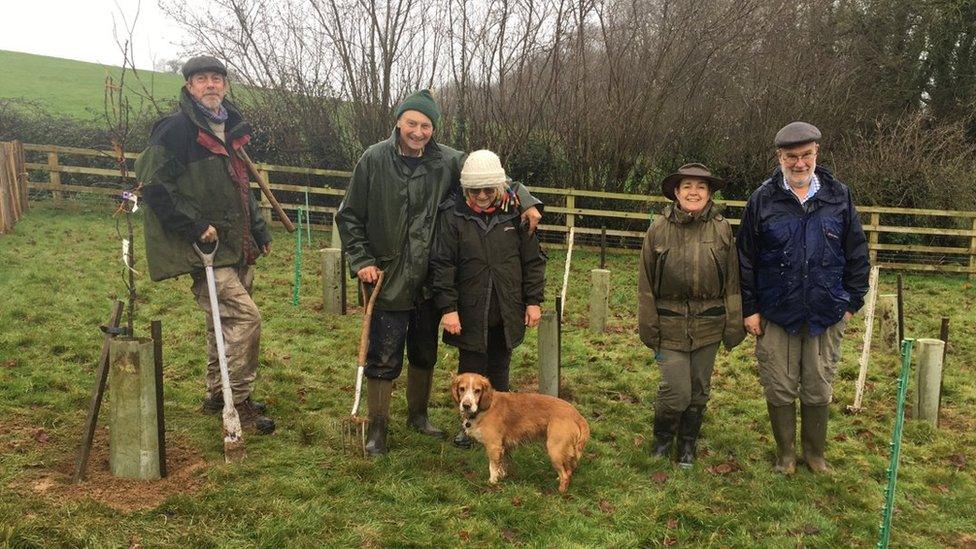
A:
101,374
569,255
866,348
156,329
944,336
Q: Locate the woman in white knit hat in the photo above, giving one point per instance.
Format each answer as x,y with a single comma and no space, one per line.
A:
487,271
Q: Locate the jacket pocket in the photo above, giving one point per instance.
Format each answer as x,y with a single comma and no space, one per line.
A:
833,247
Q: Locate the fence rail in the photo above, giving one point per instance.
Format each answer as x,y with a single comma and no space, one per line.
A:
906,239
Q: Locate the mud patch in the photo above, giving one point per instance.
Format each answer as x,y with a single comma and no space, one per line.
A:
185,475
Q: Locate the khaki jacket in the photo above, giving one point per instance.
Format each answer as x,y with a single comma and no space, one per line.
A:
688,283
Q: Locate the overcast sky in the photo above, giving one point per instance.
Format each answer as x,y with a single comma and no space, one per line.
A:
82,29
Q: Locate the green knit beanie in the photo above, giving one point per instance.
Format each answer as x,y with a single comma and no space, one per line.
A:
420,101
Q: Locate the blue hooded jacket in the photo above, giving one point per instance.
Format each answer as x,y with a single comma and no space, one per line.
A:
802,264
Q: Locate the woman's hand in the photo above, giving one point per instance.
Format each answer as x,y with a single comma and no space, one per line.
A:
452,323
532,315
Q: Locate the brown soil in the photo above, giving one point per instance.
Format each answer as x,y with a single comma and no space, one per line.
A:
185,468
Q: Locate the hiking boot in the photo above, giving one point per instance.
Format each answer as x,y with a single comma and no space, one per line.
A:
419,382
378,393
462,440
251,418
214,404
813,435
783,421
688,431
665,427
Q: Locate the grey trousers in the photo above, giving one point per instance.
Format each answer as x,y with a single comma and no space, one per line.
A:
798,366
240,323
686,378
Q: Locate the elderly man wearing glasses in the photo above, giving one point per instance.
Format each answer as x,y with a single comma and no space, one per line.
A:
804,267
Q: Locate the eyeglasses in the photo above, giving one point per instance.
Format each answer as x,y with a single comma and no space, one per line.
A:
478,192
791,159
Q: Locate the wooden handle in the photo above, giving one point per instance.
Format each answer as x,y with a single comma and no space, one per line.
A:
266,189
367,319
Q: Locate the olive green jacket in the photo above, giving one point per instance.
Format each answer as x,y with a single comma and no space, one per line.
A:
477,258
388,216
191,179
688,283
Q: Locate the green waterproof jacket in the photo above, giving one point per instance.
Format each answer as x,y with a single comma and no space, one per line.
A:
688,283
191,179
388,216
477,258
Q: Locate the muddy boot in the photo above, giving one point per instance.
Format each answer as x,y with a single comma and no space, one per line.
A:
813,435
378,393
783,421
665,427
688,430
214,404
462,440
252,418
419,382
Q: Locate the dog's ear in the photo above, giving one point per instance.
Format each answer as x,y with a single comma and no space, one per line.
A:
487,393
456,388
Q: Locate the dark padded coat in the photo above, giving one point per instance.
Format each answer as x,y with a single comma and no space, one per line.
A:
474,256
191,179
802,264
388,216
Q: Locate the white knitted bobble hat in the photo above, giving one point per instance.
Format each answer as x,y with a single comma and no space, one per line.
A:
481,170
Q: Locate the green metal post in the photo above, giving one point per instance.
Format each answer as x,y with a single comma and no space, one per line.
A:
892,472
298,259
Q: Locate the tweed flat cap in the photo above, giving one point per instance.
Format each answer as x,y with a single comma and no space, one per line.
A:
797,133
203,63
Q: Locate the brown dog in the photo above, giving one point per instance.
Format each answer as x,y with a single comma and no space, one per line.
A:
503,420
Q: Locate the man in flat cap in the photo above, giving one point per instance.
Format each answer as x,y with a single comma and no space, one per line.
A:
197,190
386,222
804,267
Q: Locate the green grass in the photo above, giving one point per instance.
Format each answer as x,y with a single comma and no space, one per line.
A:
60,270
72,88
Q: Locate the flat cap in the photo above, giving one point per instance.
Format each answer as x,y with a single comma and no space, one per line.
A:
797,133
203,63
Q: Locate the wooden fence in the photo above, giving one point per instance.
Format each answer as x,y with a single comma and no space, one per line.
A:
13,185
898,238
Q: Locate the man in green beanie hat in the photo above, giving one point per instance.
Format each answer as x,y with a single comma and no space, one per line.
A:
387,221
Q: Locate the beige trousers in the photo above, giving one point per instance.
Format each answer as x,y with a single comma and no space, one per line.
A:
240,322
798,366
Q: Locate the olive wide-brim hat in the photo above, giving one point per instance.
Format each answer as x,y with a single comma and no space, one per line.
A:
690,170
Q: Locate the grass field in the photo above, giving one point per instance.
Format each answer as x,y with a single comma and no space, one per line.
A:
60,271
69,87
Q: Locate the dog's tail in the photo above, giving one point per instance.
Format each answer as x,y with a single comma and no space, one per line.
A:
584,435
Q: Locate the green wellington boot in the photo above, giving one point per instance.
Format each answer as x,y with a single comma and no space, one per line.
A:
378,393
813,435
418,395
783,421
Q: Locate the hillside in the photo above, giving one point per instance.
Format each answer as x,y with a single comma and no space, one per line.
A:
74,88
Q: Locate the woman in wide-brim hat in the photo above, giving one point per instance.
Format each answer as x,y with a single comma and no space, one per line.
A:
688,303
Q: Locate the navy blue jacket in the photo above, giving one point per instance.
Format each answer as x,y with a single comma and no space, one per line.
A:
802,265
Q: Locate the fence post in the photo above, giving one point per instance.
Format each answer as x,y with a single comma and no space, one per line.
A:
54,175
265,205
599,299
873,238
972,253
570,217
888,321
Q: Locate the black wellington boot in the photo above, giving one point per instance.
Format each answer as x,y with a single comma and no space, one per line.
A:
665,427
688,431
